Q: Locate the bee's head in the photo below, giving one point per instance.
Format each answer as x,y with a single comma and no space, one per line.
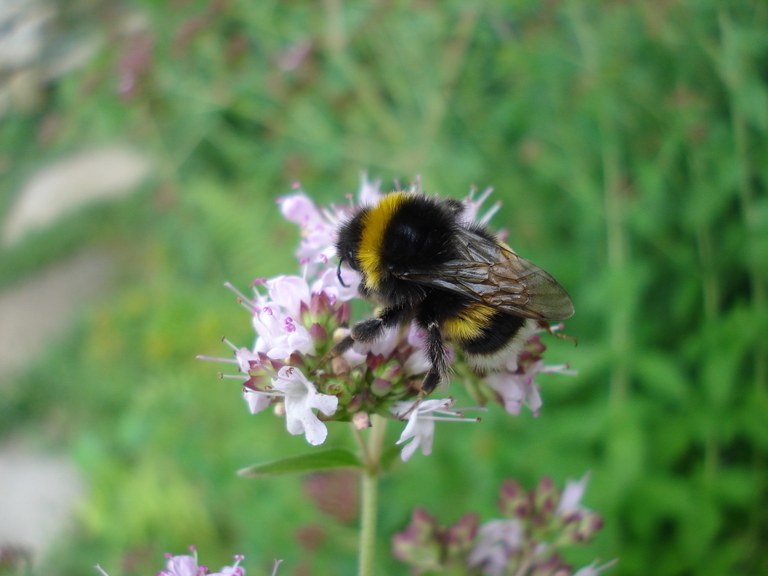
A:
348,244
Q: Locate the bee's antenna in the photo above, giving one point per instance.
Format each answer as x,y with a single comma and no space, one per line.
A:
338,274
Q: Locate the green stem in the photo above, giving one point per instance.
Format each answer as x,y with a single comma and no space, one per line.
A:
620,321
525,564
369,495
369,504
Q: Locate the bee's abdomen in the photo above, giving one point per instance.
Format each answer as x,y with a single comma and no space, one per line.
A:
480,329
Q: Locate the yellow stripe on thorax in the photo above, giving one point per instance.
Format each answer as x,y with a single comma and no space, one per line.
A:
469,323
375,223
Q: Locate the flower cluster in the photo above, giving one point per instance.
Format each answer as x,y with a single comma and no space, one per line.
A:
298,319
187,565
534,527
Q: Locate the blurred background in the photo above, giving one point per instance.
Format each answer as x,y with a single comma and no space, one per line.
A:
142,146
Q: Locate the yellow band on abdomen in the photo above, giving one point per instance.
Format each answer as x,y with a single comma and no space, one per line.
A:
469,323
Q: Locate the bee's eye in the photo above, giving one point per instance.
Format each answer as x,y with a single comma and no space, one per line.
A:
350,260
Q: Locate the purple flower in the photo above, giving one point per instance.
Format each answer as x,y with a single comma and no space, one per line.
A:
318,227
328,283
515,390
291,293
317,231
472,207
233,570
498,541
184,565
370,192
514,383
280,334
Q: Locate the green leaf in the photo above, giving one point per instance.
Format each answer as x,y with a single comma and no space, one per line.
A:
662,376
312,462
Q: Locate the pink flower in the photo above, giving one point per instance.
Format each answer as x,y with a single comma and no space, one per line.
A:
279,334
328,283
300,209
183,565
369,193
472,207
417,362
318,229
515,390
497,542
246,360
234,570
186,565
289,292
515,383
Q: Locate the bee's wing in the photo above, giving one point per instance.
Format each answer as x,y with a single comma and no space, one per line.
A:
491,273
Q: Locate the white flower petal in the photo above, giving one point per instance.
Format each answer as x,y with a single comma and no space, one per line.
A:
497,541
299,208
256,401
386,343
570,500
301,397
325,403
420,428
182,566
408,432
289,292
329,284
315,431
509,387
409,450
369,193
416,363
246,359
295,415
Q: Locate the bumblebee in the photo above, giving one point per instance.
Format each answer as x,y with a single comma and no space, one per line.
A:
422,262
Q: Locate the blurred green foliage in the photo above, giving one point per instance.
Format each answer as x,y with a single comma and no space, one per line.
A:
629,144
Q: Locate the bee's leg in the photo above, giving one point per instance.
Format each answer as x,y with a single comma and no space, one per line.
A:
341,347
371,329
437,358
555,331
439,361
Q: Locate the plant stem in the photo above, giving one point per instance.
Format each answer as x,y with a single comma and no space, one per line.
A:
369,505
369,495
525,563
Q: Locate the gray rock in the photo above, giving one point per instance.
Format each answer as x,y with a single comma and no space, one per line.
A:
65,186
38,495
41,309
